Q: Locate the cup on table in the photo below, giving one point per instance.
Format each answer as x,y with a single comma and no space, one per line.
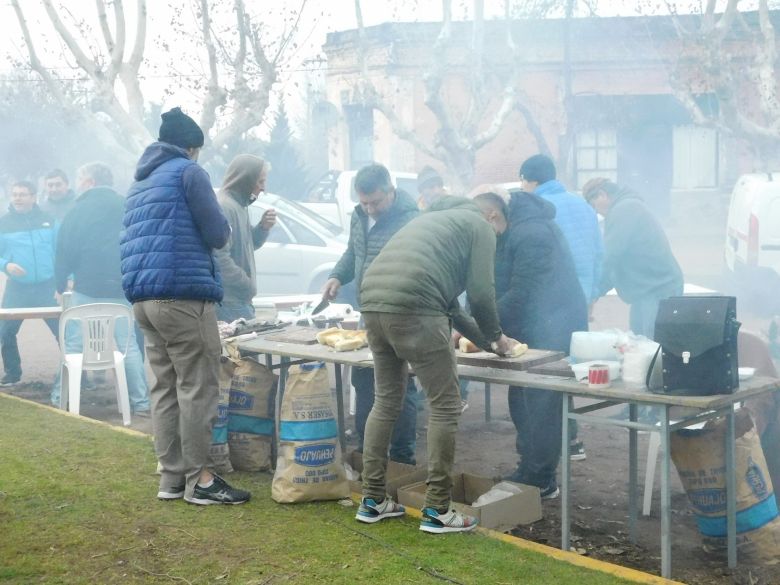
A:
598,376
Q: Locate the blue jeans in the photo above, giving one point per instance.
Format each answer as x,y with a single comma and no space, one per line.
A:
403,442
137,387
19,295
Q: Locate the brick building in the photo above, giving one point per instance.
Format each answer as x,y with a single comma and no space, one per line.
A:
623,121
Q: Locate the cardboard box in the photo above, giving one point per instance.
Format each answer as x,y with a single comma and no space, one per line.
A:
398,474
522,508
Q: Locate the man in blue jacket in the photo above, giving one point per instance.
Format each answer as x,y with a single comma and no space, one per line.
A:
27,241
173,224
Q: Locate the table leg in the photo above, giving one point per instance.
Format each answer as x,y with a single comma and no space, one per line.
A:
632,474
487,402
340,408
565,476
284,367
666,499
731,490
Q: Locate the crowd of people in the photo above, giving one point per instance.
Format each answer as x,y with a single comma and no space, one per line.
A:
496,267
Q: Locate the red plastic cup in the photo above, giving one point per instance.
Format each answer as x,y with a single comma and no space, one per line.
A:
598,376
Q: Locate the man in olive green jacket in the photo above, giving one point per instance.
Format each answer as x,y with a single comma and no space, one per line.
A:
409,300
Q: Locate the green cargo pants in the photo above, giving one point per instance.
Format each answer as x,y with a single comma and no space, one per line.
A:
424,342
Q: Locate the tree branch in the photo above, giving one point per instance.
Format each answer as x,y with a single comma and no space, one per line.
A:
88,65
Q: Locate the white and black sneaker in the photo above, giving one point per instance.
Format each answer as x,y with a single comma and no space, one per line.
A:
436,522
171,493
219,492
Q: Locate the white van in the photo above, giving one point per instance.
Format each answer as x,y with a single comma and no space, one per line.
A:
334,196
753,227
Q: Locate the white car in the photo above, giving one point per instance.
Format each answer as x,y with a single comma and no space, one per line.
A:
300,251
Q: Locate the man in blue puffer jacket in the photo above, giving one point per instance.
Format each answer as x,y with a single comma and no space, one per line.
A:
173,224
27,242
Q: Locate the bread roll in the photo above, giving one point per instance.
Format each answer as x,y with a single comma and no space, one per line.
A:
518,350
328,336
467,346
349,344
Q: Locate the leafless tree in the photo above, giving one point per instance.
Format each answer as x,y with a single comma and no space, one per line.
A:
235,88
460,134
733,57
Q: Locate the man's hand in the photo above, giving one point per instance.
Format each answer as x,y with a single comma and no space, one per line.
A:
505,345
268,220
456,337
15,269
331,289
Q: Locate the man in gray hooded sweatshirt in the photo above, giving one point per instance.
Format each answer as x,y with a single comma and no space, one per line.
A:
244,181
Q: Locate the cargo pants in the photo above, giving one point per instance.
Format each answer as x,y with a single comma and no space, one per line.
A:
183,347
422,341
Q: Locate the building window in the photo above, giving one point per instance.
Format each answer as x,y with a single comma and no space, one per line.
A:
596,152
695,152
360,120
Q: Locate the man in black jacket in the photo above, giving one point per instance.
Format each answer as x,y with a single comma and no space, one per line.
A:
382,211
88,251
540,303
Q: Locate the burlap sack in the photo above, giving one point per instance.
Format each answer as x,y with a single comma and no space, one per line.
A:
699,457
251,416
309,464
219,450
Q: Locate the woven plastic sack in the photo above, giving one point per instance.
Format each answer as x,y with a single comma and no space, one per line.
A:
699,456
309,465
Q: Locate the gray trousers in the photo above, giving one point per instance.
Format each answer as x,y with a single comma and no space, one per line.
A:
183,346
424,342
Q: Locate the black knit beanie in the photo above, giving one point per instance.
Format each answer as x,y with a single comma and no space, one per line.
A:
179,129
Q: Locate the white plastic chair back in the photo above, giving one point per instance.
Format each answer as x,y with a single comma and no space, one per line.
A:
99,352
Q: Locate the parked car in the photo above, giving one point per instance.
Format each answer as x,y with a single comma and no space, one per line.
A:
752,249
300,251
334,197
753,226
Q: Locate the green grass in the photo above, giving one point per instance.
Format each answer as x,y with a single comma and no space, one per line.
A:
77,505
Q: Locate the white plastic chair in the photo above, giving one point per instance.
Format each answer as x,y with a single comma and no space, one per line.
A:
98,322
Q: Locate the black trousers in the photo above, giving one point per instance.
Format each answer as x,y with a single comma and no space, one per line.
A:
537,417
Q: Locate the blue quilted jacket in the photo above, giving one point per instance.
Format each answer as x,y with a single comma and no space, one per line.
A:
29,240
172,225
580,227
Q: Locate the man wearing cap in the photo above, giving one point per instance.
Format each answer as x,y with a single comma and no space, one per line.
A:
173,224
430,186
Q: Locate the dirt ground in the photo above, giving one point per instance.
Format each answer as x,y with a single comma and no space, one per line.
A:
599,483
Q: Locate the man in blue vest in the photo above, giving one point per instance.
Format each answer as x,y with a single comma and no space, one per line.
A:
173,224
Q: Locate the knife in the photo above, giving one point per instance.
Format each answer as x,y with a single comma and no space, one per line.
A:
323,304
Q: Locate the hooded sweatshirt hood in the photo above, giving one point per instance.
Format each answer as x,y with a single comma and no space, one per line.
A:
155,155
241,178
527,206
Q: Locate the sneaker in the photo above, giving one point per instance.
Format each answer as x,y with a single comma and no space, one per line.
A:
577,451
435,522
173,493
9,380
219,492
370,512
551,491
464,405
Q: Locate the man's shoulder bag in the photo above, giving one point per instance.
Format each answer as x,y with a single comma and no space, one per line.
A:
698,338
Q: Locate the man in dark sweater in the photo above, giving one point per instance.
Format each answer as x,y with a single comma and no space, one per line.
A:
382,211
88,252
638,260
540,303
60,198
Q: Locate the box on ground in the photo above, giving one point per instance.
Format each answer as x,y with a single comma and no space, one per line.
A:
503,515
398,474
